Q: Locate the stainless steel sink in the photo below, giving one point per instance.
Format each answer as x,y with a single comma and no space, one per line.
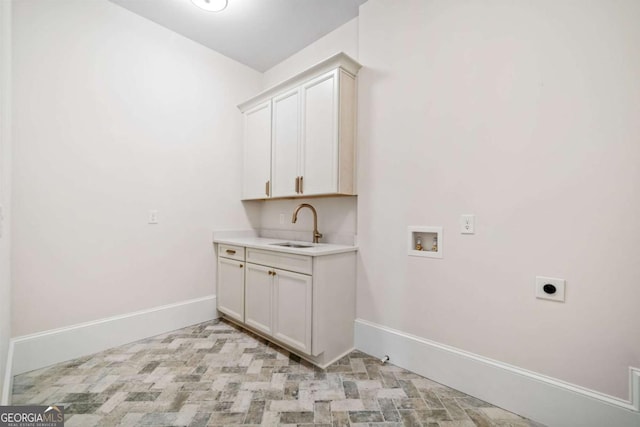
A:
292,245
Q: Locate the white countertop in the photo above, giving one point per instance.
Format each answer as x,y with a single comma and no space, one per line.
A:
318,249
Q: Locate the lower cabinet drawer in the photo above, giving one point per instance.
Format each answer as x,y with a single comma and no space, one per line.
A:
291,262
231,252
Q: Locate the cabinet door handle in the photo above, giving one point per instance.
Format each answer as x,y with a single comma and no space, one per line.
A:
241,265
231,252
274,273
297,184
266,187
270,272
301,178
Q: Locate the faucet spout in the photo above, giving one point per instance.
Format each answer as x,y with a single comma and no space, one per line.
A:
316,234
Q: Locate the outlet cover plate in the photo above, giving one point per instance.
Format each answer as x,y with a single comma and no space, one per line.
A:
558,283
153,216
467,224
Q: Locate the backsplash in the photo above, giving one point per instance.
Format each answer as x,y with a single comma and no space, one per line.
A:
337,218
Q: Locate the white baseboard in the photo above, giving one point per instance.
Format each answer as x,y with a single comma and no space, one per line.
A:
7,386
537,397
46,348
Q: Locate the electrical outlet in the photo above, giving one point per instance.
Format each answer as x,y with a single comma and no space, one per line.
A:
550,288
467,224
153,216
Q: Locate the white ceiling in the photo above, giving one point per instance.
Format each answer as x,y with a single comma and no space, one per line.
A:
258,33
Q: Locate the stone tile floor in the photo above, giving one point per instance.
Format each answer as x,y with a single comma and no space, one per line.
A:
215,374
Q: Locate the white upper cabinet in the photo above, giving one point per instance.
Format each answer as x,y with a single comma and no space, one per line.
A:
312,134
286,143
257,152
319,160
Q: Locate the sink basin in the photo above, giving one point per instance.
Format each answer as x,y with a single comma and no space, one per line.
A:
292,245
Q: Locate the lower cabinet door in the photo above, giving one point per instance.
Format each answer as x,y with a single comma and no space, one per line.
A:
259,297
230,296
292,309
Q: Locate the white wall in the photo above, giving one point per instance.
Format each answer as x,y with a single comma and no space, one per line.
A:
522,113
113,116
336,215
525,114
5,183
342,39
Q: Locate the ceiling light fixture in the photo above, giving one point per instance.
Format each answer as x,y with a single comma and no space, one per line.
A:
211,5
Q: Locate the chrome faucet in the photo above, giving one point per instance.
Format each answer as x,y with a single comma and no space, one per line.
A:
316,234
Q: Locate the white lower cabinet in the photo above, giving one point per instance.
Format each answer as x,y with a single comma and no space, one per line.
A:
259,298
278,303
304,303
230,296
292,293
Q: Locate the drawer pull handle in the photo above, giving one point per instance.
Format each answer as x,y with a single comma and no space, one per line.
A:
241,265
231,252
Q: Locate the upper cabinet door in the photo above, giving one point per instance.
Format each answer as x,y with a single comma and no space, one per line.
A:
257,152
319,148
285,147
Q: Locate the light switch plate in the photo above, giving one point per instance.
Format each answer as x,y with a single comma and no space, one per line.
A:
559,285
467,224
